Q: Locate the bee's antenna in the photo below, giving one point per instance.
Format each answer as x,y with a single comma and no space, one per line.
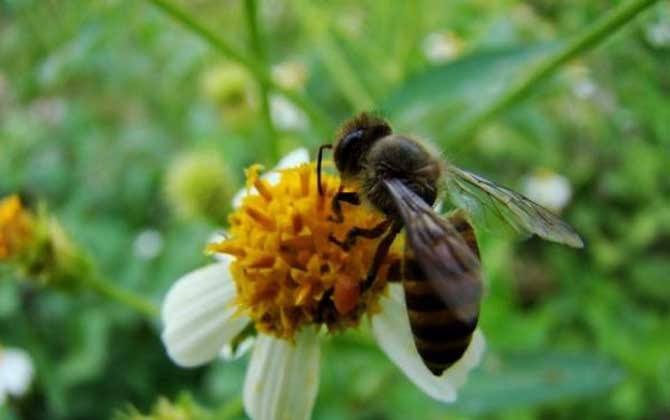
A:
318,166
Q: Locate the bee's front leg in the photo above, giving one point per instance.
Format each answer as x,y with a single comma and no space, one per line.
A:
350,197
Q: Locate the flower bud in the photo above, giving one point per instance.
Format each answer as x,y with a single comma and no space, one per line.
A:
198,185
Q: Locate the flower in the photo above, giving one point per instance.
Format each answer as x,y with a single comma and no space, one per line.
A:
278,271
15,227
233,90
197,185
148,244
285,115
16,372
35,245
290,74
549,189
440,47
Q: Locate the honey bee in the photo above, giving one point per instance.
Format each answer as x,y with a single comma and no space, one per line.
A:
401,178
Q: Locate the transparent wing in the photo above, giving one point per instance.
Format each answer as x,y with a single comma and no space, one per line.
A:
469,190
449,263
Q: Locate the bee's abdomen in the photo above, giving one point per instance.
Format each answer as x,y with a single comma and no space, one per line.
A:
441,333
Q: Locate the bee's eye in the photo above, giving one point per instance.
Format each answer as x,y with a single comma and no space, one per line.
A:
348,152
351,141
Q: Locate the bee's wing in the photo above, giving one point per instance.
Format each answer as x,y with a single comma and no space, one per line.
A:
524,215
448,262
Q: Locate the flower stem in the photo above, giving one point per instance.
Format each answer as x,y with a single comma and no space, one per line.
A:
318,117
109,290
256,41
584,41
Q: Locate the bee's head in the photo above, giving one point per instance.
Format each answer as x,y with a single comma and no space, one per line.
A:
355,139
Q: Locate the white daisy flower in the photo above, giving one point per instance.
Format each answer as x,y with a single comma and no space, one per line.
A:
278,271
16,373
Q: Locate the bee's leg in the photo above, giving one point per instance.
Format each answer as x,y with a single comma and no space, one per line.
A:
380,254
355,232
350,197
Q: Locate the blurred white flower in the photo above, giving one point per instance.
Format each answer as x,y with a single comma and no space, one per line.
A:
658,34
148,244
584,88
16,373
285,115
203,314
290,74
548,188
581,83
439,47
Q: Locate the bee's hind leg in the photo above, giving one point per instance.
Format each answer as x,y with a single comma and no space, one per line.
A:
355,232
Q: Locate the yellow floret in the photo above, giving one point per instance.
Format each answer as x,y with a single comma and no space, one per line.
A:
287,272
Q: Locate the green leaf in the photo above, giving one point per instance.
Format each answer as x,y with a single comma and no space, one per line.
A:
443,95
530,379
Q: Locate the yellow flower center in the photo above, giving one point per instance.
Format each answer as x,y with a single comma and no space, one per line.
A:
287,272
15,227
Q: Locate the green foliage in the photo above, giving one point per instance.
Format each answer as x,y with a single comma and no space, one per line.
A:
99,99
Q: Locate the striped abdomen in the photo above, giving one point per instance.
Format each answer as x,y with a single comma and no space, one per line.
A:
440,335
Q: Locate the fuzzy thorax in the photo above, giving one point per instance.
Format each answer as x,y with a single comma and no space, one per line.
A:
286,270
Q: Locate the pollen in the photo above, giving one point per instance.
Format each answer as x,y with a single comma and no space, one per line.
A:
286,270
15,227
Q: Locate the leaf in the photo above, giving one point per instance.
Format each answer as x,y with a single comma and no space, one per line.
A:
445,94
529,379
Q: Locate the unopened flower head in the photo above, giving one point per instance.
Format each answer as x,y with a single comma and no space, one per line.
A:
286,270
231,87
16,227
36,245
198,186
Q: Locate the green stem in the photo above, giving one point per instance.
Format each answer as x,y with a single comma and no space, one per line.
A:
251,14
109,290
589,38
343,74
318,117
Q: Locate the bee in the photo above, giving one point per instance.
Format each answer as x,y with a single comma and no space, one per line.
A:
400,177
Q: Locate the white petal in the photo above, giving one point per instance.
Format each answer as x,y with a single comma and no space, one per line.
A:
198,315
392,331
283,378
16,372
294,158
229,353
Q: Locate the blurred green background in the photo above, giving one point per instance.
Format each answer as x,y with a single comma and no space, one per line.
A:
125,123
